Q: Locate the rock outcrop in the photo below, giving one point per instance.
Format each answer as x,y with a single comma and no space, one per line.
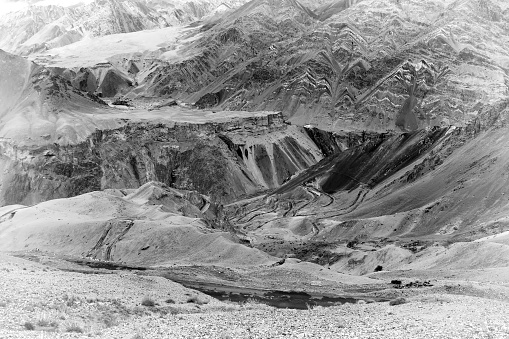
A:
39,27
224,161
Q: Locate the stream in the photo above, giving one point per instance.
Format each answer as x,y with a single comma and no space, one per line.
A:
275,298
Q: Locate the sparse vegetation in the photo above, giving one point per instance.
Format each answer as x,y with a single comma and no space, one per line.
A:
44,322
253,304
74,328
197,300
71,301
227,308
397,301
148,302
435,299
29,326
110,320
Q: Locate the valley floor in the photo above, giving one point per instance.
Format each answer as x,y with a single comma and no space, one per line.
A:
39,300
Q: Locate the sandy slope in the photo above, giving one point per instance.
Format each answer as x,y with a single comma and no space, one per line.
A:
154,225
91,51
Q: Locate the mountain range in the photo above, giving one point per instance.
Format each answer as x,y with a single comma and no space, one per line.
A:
350,134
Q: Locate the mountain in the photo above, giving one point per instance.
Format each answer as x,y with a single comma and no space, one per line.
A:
38,106
348,65
349,134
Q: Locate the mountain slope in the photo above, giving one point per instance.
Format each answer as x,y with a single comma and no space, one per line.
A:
351,65
352,134
42,26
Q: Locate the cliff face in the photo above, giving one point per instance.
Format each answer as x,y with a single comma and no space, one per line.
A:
223,160
59,141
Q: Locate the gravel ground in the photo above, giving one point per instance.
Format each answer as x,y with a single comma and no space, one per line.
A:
435,316
109,306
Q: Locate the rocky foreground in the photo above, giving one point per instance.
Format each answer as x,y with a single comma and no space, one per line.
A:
39,300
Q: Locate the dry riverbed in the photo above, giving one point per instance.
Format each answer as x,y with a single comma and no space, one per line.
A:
38,300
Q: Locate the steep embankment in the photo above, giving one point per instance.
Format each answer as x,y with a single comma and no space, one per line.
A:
223,160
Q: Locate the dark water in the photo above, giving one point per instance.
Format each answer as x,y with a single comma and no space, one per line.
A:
279,299
108,265
282,299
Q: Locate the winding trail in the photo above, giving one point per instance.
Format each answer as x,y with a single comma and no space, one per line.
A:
206,207
332,200
114,232
316,195
358,200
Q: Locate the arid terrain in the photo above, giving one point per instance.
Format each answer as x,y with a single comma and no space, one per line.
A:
62,300
254,169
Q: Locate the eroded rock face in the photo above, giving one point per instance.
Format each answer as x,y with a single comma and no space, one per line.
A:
316,64
72,143
368,164
215,159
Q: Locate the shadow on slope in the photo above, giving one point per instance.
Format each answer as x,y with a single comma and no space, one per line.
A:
445,208
367,165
